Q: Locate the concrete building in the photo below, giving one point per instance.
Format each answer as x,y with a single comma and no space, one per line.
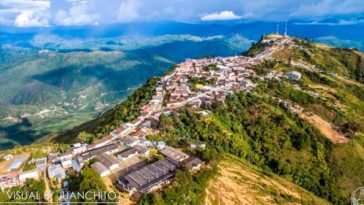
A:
127,154
79,148
31,174
8,181
66,163
100,169
109,161
108,149
193,164
149,177
130,141
174,154
40,163
16,164
101,142
56,172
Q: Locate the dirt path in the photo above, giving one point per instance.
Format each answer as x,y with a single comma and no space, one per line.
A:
327,129
48,192
108,183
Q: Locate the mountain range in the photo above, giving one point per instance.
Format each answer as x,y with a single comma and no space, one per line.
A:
55,78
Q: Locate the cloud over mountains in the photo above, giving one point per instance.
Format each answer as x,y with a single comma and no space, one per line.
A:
222,16
35,13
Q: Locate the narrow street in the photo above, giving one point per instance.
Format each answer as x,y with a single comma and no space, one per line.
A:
48,191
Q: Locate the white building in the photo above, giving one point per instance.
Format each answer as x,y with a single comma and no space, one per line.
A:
31,174
109,161
131,141
100,169
66,163
56,172
79,148
8,157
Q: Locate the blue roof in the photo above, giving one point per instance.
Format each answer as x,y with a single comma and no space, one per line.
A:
75,165
56,171
16,164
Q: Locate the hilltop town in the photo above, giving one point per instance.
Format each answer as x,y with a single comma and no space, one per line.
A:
121,154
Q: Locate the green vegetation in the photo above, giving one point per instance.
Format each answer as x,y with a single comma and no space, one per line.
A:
29,166
31,191
77,84
123,112
210,67
196,83
256,128
265,134
263,68
87,180
256,48
187,188
352,60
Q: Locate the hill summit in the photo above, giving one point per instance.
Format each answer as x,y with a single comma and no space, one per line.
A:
288,111
304,100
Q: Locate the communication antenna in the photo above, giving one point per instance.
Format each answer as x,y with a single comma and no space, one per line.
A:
285,30
277,32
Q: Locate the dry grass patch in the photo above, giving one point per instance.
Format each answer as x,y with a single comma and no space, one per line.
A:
238,183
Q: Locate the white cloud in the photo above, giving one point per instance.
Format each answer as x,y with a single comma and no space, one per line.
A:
81,12
78,14
129,10
221,16
24,13
28,18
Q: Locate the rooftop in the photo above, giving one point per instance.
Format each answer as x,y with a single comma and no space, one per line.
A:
100,150
107,160
147,176
174,154
16,164
99,168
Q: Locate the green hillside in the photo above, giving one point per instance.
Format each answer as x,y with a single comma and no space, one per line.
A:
55,90
258,128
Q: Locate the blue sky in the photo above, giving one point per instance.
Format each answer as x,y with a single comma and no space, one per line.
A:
41,13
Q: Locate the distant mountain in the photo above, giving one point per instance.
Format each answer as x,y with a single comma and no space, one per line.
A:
54,90
250,30
65,76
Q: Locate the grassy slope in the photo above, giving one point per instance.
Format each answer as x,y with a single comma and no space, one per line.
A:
123,112
341,102
239,182
294,150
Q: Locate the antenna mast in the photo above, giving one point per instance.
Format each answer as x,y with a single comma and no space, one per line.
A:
277,32
285,30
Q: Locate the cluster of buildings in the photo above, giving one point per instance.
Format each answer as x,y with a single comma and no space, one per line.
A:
121,153
16,177
222,76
